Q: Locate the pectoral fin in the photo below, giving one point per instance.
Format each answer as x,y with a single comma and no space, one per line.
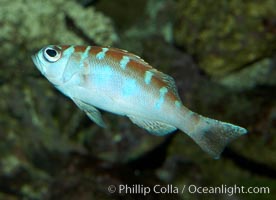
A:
154,127
92,112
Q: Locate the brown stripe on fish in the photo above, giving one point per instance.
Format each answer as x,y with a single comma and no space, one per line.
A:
114,54
157,82
138,67
126,53
68,50
117,57
172,98
95,50
64,47
123,57
101,54
80,49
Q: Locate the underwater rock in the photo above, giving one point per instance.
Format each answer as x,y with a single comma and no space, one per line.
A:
28,25
34,142
226,35
262,73
155,21
122,12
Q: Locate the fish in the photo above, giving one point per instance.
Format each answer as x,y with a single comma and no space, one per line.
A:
117,81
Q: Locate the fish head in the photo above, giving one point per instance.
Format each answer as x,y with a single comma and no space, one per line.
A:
51,62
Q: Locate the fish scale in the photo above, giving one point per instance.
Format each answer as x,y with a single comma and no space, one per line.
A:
142,69
120,82
133,67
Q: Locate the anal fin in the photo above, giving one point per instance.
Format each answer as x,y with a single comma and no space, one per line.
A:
92,112
154,127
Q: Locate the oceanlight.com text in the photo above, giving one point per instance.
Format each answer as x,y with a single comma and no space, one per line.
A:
192,189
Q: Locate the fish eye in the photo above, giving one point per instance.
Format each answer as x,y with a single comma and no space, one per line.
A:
51,54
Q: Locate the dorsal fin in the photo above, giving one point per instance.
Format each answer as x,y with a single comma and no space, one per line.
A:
166,79
131,56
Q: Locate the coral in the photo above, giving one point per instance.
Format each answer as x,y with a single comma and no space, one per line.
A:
226,35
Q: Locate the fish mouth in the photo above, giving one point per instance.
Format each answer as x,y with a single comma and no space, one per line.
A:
38,64
36,58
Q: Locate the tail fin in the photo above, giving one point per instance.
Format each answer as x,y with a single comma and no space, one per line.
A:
213,135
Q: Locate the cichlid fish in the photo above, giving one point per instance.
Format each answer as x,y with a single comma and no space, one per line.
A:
120,82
